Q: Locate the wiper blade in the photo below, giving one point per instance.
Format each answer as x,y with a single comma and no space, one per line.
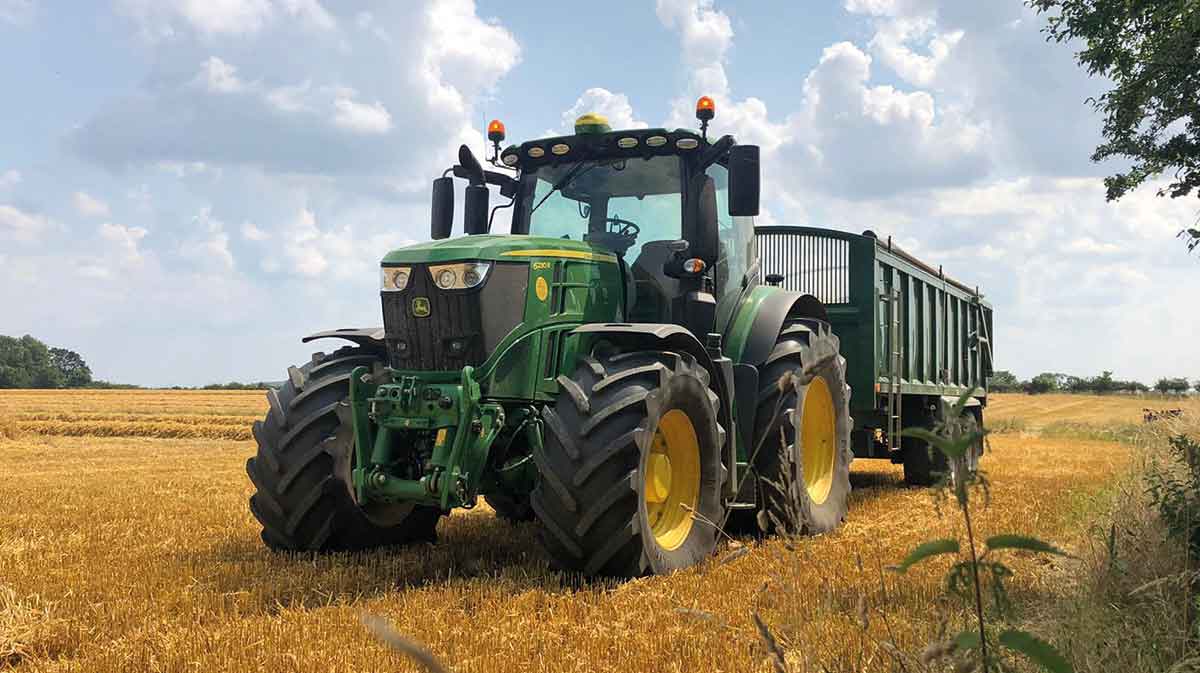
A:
576,171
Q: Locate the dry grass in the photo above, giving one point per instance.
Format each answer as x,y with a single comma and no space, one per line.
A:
1042,410
139,553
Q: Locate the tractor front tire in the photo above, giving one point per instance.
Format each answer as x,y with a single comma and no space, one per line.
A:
802,432
301,473
630,469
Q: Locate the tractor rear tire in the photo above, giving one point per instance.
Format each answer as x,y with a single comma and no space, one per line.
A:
303,496
925,465
630,469
813,417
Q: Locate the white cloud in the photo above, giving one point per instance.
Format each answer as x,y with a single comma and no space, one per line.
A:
615,106
892,43
19,225
10,178
369,118
125,240
219,77
89,206
208,245
705,35
290,98
252,233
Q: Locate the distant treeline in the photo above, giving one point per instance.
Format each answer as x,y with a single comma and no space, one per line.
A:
1052,382
28,363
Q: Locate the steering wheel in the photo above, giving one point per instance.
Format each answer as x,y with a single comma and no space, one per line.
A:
618,235
623,228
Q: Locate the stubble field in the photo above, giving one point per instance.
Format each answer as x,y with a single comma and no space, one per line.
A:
126,544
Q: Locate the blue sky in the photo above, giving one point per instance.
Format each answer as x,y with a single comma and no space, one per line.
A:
188,186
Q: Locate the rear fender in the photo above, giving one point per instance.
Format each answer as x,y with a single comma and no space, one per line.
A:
769,316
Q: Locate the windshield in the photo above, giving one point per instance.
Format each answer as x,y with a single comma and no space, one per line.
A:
620,204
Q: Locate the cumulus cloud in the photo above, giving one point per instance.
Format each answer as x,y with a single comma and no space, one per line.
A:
89,206
369,118
894,42
219,77
19,225
877,140
165,19
324,109
615,106
208,245
125,240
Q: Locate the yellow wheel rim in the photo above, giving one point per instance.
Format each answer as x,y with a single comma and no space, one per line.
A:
818,439
671,476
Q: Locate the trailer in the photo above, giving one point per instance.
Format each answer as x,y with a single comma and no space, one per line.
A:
912,336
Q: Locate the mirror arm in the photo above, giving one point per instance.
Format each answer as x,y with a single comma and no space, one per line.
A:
716,151
507,184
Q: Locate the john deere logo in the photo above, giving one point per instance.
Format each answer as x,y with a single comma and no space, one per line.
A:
421,307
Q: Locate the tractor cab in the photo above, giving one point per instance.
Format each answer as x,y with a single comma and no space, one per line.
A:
675,209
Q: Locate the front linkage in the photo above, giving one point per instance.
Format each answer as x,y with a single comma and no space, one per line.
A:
443,406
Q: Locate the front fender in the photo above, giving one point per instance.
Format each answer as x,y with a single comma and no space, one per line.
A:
365,337
673,338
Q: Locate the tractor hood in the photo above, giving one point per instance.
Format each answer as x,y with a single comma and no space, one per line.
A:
497,248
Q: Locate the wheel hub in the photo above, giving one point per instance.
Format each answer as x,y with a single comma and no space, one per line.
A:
671,479
818,439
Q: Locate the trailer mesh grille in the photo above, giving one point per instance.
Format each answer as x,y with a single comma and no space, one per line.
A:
815,265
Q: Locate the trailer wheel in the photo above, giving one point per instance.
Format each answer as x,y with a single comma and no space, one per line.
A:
630,470
803,463
301,472
923,464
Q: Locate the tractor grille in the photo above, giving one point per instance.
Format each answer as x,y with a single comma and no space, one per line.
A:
463,326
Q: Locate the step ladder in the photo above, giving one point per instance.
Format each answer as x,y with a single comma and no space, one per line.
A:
895,421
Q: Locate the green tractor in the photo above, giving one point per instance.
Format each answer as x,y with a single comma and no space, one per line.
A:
611,368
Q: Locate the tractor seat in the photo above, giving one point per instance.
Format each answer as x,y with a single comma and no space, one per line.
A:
653,290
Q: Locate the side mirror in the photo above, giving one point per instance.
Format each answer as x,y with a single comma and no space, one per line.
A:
703,239
743,180
475,211
443,208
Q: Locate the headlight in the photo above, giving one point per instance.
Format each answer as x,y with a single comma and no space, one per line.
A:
460,276
393,278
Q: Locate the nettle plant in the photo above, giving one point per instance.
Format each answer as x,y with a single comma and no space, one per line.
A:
978,575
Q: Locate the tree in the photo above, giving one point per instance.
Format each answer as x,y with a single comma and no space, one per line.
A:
70,364
1042,383
1176,386
28,363
1004,381
1149,50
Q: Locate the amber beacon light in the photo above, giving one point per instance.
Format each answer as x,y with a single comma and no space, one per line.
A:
705,110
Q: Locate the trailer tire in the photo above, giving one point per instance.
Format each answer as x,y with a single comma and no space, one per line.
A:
805,367
630,470
925,465
301,472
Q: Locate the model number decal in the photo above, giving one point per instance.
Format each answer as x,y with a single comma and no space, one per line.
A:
540,266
